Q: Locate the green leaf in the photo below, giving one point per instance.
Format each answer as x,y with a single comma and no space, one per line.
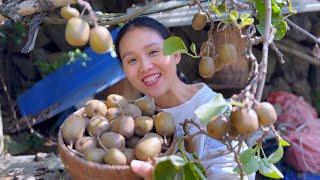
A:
193,48
269,170
247,21
165,170
246,155
251,166
222,8
174,159
173,45
276,156
215,9
214,107
191,172
244,16
281,29
283,143
233,15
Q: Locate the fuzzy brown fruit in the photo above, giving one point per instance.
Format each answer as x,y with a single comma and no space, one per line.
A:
267,115
190,145
143,125
68,12
132,142
95,155
164,123
100,39
115,157
77,32
124,126
206,67
129,153
73,129
148,148
115,100
218,65
147,105
245,121
114,113
132,110
85,143
199,21
227,53
218,127
95,107
97,125
112,140
152,134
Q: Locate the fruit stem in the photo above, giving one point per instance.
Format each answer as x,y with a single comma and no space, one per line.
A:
236,156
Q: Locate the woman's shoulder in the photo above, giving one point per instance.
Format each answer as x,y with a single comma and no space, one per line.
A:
204,94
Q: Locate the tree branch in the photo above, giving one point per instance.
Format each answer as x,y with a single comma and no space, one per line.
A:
267,39
28,7
303,31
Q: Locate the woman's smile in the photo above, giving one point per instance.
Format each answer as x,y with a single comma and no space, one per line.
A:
151,79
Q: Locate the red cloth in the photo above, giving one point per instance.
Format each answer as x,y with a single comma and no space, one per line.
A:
302,131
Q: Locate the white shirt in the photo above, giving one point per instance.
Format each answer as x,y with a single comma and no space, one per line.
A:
217,168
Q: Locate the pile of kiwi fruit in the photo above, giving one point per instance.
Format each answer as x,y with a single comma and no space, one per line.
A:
117,131
242,122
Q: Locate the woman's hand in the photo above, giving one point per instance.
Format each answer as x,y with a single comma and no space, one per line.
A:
144,169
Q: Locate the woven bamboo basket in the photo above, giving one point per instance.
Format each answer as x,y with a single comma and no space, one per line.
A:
235,75
80,169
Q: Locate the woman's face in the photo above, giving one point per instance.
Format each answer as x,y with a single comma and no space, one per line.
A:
148,70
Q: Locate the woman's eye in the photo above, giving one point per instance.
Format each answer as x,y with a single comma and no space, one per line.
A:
132,61
153,52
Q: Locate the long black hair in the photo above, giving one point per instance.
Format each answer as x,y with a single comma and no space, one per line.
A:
142,21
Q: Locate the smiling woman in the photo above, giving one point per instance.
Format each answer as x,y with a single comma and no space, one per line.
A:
139,45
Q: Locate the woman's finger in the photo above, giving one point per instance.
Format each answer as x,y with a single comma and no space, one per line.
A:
142,168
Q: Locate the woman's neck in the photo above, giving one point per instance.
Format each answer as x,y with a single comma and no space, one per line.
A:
178,94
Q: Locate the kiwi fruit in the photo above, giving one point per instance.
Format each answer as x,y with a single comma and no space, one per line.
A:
143,125
100,39
68,12
85,143
218,127
97,125
147,105
124,126
132,141
114,112
244,120
112,140
115,100
206,67
132,110
227,53
152,134
189,146
218,65
73,129
147,148
267,114
77,32
95,107
129,153
115,157
199,21
164,123
95,155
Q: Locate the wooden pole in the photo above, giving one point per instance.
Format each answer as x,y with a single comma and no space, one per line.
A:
29,7
1,135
